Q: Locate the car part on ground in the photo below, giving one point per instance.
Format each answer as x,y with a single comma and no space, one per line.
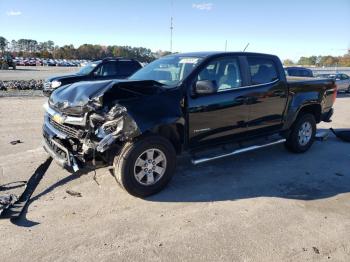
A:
342,134
15,207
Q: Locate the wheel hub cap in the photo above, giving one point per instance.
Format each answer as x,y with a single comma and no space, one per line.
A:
150,167
305,134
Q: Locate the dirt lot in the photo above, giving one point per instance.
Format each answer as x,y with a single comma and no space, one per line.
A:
35,72
268,205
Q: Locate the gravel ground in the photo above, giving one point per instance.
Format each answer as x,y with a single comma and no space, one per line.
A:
268,205
35,72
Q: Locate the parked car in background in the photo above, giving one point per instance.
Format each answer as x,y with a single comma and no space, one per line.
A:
298,71
341,80
108,68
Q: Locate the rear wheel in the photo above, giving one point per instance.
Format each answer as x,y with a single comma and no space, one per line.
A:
145,167
302,134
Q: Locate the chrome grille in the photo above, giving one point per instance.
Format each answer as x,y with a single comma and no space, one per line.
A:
69,131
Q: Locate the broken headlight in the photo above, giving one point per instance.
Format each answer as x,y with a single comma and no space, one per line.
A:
112,127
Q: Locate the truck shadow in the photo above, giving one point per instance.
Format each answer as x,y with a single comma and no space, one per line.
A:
320,173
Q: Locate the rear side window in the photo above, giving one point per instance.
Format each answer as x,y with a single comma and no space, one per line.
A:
127,68
262,70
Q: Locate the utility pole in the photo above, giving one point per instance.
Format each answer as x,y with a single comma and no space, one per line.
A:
171,27
171,34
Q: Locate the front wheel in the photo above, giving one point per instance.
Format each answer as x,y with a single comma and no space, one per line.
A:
302,134
145,167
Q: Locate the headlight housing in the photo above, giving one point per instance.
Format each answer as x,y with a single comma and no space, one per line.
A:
110,127
56,84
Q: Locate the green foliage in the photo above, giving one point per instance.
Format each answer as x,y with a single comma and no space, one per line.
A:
3,44
31,48
288,62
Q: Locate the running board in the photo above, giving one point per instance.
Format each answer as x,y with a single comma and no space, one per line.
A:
236,152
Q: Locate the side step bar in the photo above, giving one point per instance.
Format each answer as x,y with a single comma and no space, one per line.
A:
236,152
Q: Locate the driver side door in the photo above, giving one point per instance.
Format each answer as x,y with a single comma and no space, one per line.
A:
214,118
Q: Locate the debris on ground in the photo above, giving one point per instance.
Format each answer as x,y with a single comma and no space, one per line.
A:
12,185
316,250
6,201
73,193
95,178
322,135
342,134
15,142
16,209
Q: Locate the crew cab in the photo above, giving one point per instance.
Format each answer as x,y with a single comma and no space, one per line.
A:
104,69
207,105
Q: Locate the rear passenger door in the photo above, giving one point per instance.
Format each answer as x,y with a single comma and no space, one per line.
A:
268,94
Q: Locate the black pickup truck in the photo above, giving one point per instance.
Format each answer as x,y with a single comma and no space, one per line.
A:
208,105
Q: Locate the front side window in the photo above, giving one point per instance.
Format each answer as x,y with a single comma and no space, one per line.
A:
88,68
262,70
224,72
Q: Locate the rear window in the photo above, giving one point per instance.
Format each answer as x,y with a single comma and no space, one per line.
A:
127,68
300,72
262,70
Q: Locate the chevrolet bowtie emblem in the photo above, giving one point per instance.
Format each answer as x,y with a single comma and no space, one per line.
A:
58,118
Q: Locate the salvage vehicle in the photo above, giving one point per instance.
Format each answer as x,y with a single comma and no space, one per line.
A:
204,105
108,68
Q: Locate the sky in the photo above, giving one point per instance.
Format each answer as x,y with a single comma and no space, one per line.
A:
289,29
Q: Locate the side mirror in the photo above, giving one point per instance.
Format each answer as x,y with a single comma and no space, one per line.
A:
205,87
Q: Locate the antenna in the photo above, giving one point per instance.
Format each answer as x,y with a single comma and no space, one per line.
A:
245,47
171,27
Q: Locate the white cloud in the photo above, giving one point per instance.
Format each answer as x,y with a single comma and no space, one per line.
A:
203,6
14,13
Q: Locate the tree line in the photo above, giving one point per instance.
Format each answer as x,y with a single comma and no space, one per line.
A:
321,60
48,49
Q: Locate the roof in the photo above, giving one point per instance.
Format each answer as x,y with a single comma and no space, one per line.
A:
213,53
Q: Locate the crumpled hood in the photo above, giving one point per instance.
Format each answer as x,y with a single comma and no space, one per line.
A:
77,98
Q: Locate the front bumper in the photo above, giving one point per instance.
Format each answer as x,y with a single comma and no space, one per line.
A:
57,150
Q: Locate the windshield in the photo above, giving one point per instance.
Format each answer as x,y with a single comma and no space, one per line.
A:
87,69
169,70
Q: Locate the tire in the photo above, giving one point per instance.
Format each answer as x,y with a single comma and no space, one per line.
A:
306,125
127,166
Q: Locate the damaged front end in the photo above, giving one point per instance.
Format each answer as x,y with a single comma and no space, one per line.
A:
86,124
91,140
